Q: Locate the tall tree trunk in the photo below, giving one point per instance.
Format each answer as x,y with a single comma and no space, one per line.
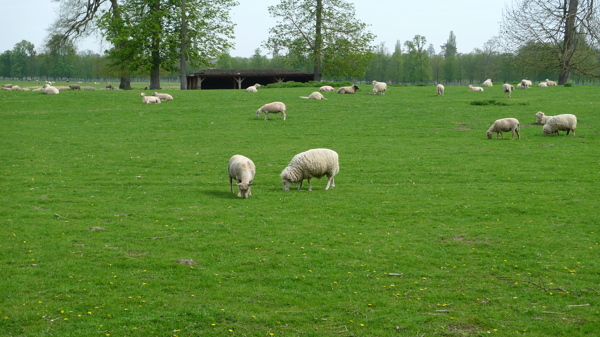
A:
318,41
182,66
155,52
569,41
125,83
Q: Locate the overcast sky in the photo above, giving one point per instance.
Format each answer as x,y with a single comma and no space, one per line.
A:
474,22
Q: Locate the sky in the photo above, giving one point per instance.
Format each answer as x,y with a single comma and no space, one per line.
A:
473,22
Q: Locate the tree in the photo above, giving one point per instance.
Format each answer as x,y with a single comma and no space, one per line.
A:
416,63
23,59
396,63
563,29
323,34
449,51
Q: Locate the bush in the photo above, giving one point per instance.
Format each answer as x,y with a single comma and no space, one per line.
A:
568,84
488,102
316,84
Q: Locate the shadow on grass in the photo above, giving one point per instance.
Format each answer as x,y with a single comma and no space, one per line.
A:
223,194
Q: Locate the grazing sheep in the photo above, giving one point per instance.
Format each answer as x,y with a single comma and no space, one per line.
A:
75,87
87,88
504,125
487,83
272,108
312,163
50,90
440,90
472,88
526,83
542,85
379,87
315,95
241,169
348,90
326,88
564,122
163,97
541,118
550,83
149,99
253,88
507,88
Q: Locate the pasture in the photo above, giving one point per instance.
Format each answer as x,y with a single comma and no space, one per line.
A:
118,221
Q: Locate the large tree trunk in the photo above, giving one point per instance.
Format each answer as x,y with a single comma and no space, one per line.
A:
155,52
569,41
125,83
182,66
318,41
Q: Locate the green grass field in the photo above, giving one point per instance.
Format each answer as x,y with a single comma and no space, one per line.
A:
431,230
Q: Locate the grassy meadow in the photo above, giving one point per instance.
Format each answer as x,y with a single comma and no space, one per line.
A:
118,221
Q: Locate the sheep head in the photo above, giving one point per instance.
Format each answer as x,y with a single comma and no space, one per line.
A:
244,190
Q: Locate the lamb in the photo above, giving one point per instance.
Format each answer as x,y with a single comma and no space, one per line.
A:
564,122
75,87
253,88
149,99
507,88
504,125
541,118
542,85
272,108
550,83
315,95
312,163
348,90
326,88
163,97
379,87
472,88
50,90
487,83
440,89
242,169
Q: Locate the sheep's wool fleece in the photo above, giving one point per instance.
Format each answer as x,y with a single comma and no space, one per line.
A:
562,122
312,163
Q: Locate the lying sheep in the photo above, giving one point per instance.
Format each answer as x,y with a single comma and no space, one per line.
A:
89,88
542,85
348,90
50,90
504,125
75,87
241,169
564,122
149,99
487,83
272,108
472,88
312,163
253,88
163,97
379,87
507,88
541,118
326,88
16,88
550,83
440,89
315,95
8,85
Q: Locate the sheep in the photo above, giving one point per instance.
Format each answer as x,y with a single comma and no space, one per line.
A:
550,83
526,83
89,88
16,88
348,90
440,89
253,88
564,122
542,85
379,87
507,88
75,87
242,169
521,85
272,108
149,99
312,163
326,88
163,97
504,125
472,88
8,85
50,90
487,83
541,118
315,95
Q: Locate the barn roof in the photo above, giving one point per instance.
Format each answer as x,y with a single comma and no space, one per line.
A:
242,78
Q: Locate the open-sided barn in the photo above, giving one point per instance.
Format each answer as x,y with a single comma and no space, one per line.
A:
243,78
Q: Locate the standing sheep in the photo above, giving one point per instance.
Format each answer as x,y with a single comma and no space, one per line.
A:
326,88
472,88
526,83
379,87
75,87
272,108
348,90
564,122
312,163
504,125
507,88
315,95
149,99
440,89
241,169
541,118
487,83
163,97
253,88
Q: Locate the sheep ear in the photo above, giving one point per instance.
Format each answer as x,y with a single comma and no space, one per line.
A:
250,184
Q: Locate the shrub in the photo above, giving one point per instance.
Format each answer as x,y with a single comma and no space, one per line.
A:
568,84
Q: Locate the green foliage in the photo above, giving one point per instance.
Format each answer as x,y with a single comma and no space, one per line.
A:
310,84
568,84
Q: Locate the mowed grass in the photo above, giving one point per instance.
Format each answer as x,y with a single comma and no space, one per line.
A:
431,230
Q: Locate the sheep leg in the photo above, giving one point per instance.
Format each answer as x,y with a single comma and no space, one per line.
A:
309,185
231,184
330,182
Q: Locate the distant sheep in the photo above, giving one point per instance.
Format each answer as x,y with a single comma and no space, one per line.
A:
472,88
348,90
163,97
521,85
253,88
440,89
272,108
504,125
542,85
326,88
379,87
312,163
564,122
541,118
8,85
149,99
315,95
75,87
242,169
508,88
551,83
88,88
487,83
526,83
16,88
50,90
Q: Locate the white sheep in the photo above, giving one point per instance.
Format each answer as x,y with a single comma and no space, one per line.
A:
326,88
508,88
526,83
50,90
75,86
348,90
564,122
541,118
8,85
521,85
163,97
272,108
315,95
550,83
542,85
312,163
253,88
149,99
504,125
88,88
487,83
472,88
440,89
379,87
16,88
242,169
